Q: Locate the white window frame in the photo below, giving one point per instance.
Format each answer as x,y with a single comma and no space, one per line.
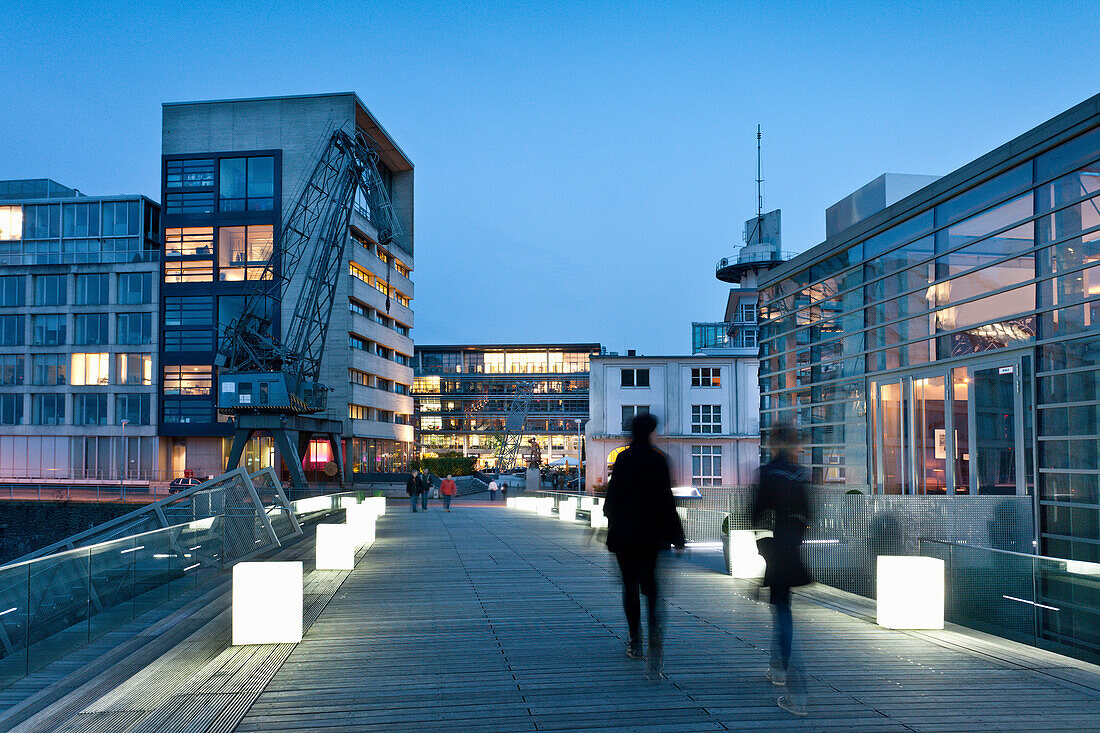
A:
706,465
706,419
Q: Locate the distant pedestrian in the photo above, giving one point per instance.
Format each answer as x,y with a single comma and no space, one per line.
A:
504,492
782,494
642,521
424,486
412,488
448,489
493,490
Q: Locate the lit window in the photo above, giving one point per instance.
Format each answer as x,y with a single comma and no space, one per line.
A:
706,377
135,369
189,242
357,412
359,273
243,252
189,272
90,369
187,379
11,222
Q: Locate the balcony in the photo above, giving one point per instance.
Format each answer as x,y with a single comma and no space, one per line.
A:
732,269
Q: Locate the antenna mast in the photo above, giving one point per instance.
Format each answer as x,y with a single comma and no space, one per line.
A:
759,179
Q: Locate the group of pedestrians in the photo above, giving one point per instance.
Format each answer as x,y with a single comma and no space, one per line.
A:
418,486
643,523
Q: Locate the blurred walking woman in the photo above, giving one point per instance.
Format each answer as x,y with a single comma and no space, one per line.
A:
782,494
641,521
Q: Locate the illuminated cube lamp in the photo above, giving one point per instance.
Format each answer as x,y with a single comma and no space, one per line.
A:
567,510
598,519
587,502
361,518
910,592
378,502
267,603
544,507
346,501
510,502
745,561
336,545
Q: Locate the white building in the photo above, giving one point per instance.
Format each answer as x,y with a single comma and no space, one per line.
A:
706,408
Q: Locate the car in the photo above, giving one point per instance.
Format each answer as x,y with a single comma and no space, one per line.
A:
179,484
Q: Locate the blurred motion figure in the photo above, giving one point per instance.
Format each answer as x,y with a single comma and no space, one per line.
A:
641,522
782,495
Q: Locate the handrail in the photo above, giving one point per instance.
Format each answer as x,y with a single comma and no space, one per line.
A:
1010,552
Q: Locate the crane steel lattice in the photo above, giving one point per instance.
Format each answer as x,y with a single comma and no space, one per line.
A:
270,381
513,426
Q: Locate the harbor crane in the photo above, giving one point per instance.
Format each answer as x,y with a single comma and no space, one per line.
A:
269,377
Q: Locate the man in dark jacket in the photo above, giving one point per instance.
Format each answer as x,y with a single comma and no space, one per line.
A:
641,522
782,496
424,485
412,487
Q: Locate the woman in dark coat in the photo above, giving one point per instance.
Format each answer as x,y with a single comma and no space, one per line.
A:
782,495
641,522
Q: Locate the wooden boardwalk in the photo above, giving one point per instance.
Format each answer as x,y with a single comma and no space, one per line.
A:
490,619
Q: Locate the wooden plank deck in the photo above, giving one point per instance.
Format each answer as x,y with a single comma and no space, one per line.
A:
490,619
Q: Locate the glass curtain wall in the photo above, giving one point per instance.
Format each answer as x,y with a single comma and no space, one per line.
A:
958,350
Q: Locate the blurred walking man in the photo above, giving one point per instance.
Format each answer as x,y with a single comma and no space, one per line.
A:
641,522
782,494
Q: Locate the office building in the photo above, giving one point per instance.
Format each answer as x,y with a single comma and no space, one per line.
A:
231,169
464,392
707,421
78,323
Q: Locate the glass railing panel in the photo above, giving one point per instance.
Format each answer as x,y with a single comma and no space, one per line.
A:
151,557
60,605
14,603
1069,594
111,573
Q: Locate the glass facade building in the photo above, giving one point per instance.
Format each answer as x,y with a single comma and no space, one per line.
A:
949,345
463,394
78,302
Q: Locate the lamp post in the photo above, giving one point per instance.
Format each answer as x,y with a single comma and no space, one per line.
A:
122,461
578,421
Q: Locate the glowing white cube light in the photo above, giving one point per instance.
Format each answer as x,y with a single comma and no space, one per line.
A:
267,603
598,519
510,502
567,510
745,560
313,504
336,545
910,592
544,507
361,518
378,502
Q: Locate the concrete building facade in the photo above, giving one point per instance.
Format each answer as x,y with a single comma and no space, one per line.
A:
79,284
230,171
707,420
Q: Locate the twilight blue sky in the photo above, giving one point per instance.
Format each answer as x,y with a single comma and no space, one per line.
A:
579,166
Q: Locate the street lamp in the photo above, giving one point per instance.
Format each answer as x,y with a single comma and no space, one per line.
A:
122,461
578,421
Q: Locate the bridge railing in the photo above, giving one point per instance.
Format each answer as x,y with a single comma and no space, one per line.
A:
75,591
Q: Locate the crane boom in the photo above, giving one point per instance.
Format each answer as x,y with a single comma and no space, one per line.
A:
265,374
